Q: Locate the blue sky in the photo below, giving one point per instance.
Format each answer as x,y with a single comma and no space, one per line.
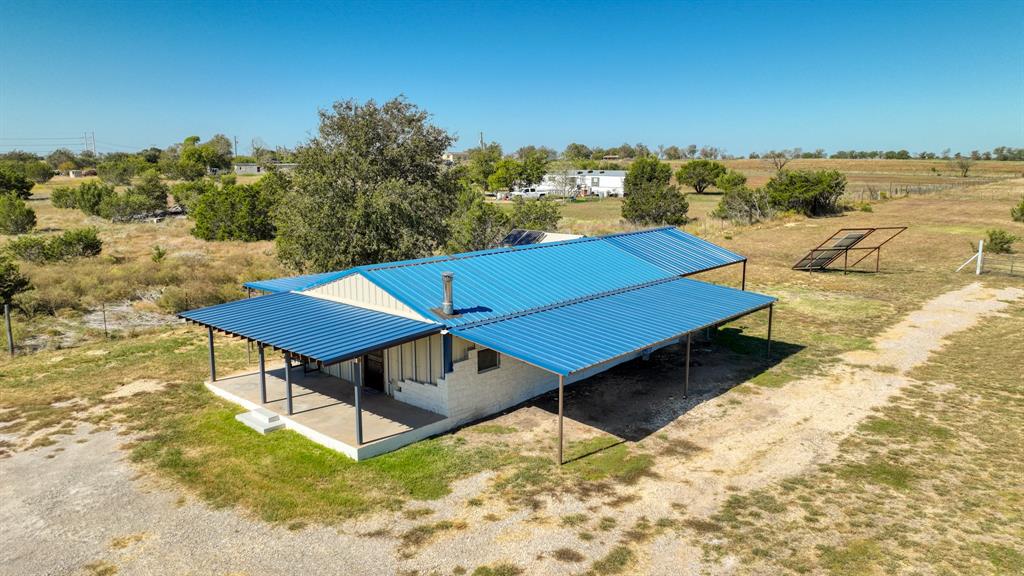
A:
744,76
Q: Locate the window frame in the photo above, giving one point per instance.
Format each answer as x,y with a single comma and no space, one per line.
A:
497,360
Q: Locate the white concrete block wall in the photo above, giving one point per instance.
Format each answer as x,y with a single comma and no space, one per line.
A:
433,397
472,396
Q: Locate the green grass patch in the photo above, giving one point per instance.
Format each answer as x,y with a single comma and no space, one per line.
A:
615,562
854,559
879,472
608,457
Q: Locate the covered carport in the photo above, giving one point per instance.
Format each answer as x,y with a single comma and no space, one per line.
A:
310,330
580,338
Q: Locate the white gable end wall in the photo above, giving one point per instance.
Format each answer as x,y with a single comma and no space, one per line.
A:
356,290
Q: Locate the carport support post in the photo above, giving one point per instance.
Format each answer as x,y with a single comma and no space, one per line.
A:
358,373
771,308
686,382
743,283
213,364
263,376
288,380
561,402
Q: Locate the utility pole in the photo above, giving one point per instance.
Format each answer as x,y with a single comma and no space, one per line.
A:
234,150
481,139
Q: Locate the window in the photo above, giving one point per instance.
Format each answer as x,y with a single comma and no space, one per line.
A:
486,359
595,181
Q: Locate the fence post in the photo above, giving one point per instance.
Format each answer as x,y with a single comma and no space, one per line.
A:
981,246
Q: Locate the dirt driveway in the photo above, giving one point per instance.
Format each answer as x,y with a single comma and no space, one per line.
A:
79,507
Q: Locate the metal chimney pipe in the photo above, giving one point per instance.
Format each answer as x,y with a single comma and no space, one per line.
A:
447,306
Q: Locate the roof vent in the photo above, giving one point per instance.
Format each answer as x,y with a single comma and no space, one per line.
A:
447,306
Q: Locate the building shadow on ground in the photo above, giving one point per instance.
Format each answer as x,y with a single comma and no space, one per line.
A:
638,398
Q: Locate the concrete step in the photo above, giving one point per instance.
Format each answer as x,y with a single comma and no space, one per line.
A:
261,420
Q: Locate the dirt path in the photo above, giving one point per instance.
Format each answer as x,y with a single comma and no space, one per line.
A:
79,502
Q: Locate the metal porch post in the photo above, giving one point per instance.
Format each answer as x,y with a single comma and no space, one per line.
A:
743,283
846,259
213,365
771,309
248,343
288,380
358,374
686,382
878,256
561,403
263,376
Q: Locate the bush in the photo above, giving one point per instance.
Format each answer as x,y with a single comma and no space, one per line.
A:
999,241
89,196
124,206
75,243
542,214
14,183
186,194
234,212
63,197
647,172
744,205
153,189
120,170
812,193
15,216
656,204
1017,212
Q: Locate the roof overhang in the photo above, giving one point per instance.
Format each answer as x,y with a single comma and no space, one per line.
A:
584,337
309,327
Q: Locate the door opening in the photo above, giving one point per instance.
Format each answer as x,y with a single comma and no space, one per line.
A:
373,374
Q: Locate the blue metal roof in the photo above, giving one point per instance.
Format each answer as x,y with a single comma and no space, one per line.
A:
668,251
569,338
290,283
674,251
312,327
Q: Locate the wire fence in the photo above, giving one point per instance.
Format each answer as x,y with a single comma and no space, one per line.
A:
1012,264
870,192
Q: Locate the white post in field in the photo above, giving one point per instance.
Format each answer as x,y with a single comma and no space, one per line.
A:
981,246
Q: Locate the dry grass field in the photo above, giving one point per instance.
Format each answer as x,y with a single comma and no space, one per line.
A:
883,437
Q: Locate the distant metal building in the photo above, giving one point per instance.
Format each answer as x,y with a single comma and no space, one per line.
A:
241,168
404,350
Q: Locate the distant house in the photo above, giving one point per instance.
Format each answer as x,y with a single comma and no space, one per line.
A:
255,168
74,173
452,158
601,183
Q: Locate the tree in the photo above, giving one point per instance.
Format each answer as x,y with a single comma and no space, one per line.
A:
187,193
369,187
691,151
15,216
1017,212
60,158
779,158
90,195
482,162
478,224
811,193
508,174
962,164
540,214
998,241
700,174
576,151
647,171
119,169
673,153
12,283
655,203
13,183
534,166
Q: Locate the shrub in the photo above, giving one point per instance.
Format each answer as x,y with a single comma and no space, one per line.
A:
656,204
153,189
999,241
124,206
542,214
744,205
186,194
75,243
812,193
89,196
234,212
15,216
645,172
63,197
1017,212
14,183
120,170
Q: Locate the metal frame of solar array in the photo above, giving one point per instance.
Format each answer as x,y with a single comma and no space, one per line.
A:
841,243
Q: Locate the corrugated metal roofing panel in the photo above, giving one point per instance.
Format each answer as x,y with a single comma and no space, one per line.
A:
320,329
498,283
290,283
570,338
675,251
